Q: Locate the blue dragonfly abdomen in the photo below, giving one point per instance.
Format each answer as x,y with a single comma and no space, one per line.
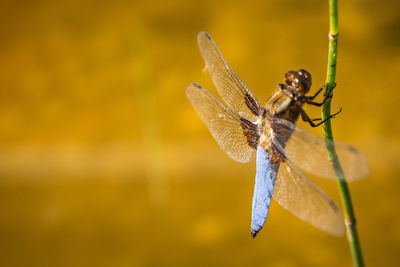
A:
266,173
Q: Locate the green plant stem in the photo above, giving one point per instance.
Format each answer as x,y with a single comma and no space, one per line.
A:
344,191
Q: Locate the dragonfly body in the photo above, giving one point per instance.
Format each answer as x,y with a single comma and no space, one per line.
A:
268,158
263,188
244,129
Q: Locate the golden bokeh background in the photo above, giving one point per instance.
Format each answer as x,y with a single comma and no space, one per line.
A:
103,162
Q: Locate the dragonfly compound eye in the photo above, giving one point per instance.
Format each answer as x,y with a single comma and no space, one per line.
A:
304,81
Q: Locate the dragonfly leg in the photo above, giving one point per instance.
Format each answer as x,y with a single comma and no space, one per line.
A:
306,118
327,96
317,93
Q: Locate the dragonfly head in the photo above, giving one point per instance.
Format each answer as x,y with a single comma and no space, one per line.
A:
300,80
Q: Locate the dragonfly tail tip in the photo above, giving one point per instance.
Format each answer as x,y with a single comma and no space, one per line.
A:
253,233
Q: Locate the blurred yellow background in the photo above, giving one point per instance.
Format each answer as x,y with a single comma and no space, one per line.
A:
103,162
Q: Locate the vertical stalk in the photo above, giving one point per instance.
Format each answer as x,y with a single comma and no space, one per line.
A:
148,120
344,191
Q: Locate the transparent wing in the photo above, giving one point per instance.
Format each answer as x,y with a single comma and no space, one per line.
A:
299,195
231,88
236,135
309,153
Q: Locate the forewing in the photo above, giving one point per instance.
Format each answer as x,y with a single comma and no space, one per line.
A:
309,152
299,195
231,88
235,134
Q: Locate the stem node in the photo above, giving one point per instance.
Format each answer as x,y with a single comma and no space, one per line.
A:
351,223
333,36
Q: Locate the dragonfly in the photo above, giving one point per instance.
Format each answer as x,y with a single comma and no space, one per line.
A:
245,130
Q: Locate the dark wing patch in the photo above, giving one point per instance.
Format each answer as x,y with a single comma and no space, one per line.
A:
251,132
251,104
